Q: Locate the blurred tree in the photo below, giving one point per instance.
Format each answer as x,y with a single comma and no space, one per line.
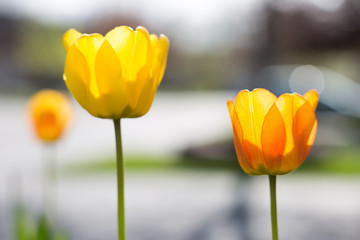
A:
40,54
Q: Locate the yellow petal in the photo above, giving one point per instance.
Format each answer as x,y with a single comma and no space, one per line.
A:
160,57
69,38
89,45
148,90
139,66
144,101
109,81
77,76
251,108
122,39
107,69
312,97
243,159
273,139
154,40
141,60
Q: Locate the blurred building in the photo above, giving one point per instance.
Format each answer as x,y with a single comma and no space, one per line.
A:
299,33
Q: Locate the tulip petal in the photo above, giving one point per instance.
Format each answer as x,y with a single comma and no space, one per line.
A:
77,75
89,45
70,37
140,64
107,69
305,125
160,56
109,81
144,102
148,91
243,159
312,97
300,125
311,138
122,39
273,139
141,60
251,109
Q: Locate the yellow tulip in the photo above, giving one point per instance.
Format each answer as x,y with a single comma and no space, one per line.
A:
273,135
50,112
115,76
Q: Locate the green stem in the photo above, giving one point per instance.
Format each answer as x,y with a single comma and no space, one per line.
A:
120,180
272,179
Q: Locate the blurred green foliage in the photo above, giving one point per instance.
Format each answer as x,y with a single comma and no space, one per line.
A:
39,50
343,160
108,164
26,228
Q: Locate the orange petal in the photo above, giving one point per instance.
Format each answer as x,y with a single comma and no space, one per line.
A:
311,139
243,159
300,120
312,97
273,139
305,125
251,108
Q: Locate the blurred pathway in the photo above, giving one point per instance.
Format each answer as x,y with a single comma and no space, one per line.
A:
192,205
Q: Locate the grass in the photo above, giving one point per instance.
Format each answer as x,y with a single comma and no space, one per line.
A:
339,160
27,228
139,163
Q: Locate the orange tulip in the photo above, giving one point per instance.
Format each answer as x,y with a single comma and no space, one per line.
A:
273,135
50,113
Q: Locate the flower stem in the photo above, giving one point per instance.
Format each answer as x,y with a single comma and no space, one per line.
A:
120,180
272,179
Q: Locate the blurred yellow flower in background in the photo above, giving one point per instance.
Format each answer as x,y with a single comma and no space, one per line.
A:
50,112
115,76
273,135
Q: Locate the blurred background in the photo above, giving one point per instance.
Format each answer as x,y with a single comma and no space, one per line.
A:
182,178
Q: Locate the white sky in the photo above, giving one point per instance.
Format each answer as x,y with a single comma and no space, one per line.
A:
73,10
